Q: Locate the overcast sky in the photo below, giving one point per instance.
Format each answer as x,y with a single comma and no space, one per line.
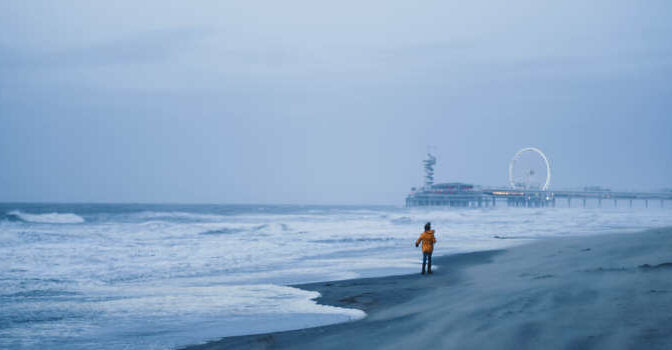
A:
327,103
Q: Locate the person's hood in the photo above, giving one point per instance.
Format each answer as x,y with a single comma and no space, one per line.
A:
431,232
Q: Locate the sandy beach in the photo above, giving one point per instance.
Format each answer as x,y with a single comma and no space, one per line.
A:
600,292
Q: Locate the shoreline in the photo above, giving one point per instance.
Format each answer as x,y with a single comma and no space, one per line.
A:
609,291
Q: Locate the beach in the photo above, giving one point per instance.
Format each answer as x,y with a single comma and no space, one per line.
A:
593,292
127,276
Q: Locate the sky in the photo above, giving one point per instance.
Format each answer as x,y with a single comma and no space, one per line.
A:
308,102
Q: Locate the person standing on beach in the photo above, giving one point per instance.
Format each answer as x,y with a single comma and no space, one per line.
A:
427,238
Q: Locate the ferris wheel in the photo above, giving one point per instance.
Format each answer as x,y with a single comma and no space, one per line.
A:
529,170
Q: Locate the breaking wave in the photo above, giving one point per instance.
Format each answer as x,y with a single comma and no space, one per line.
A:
404,220
177,215
230,230
49,218
222,231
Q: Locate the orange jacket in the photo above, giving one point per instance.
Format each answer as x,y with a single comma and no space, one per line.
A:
427,238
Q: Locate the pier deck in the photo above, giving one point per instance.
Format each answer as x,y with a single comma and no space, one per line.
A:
528,198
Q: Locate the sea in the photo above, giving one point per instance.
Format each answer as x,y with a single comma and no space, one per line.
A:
141,276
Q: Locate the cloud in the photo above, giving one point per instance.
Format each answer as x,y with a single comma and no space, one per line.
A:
147,47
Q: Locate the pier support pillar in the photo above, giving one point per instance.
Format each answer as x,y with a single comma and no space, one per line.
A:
662,203
584,202
569,202
631,203
646,203
599,202
615,203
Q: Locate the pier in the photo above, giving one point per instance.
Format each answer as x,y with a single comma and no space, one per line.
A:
533,198
520,194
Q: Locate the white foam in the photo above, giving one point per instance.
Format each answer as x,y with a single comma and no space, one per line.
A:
50,218
228,300
177,215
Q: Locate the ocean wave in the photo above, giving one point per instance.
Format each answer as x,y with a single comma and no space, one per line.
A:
39,293
44,236
355,240
231,230
404,220
222,231
177,215
48,218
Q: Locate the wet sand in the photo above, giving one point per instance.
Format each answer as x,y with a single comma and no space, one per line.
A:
600,292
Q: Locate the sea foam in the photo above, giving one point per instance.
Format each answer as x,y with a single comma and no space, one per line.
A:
48,218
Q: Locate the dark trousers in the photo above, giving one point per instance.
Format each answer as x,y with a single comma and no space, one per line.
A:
426,260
